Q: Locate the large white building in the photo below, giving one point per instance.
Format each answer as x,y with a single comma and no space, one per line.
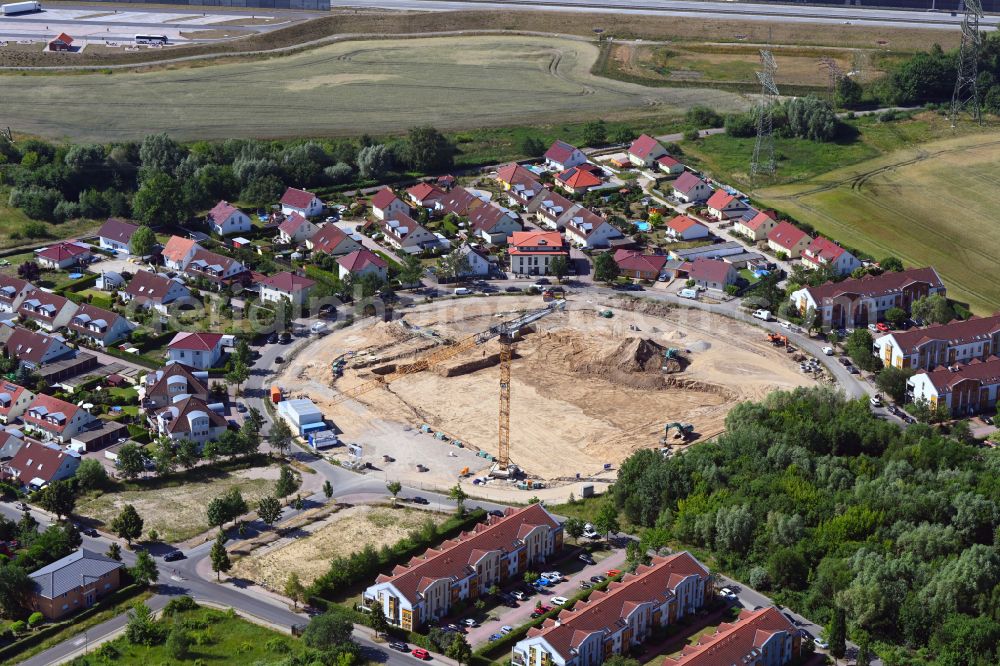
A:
532,252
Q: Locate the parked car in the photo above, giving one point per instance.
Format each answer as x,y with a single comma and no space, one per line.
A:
611,573
727,593
882,327
541,282
513,289
559,601
173,556
843,360
421,653
495,637
506,629
497,512
397,645
454,627
554,576
585,585
285,337
820,643
586,557
597,579
853,370
419,500
519,595
272,339
544,608
875,400
279,359
828,351
535,614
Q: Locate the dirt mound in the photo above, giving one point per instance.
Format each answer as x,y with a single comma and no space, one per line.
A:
636,362
637,355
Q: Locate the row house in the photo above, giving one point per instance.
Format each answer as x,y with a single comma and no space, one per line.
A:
645,152
549,208
225,219
616,620
116,235
303,202
510,174
50,311
404,233
942,344
463,569
857,302
520,184
63,255
99,326
725,206
198,350
36,464
12,292
458,201
756,225
332,240
34,349
493,224
824,253
587,229
190,418
14,400
152,290
532,252
762,637
53,419
173,381
786,238
296,229
964,389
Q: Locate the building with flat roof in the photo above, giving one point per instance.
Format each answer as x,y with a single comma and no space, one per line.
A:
302,415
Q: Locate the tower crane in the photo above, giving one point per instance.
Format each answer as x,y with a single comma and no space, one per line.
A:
505,332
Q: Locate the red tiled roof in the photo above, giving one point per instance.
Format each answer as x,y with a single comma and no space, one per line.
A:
643,146
296,198
485,218
12,390
292,224
360,259
667,161
757,220
453,558
584,222
157,381
555,200
177,248
45,406
422,192
195,341
383,198
531,239
604,610
822,248
514,173
148,286
787,235
682,223
732,642
719,200
459,201
117,230
559,151
328,238
288,282
35,460
577,178
30,346
686,182
954,332
709,270
632,260
222,211
984,373
212,259
64,38
183,408
62,251
889,282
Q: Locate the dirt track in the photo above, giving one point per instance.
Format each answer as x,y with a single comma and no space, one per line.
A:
576,403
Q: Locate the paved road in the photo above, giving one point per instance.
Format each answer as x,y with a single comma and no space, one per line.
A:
693,8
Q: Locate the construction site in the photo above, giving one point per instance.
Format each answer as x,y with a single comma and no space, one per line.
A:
423,397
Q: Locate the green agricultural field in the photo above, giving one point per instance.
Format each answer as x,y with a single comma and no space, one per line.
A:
932,204
346,88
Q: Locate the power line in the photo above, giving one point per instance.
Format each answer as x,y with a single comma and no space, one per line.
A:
833,71
966,95
763,161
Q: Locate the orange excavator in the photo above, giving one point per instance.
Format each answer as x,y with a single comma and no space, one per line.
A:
777,339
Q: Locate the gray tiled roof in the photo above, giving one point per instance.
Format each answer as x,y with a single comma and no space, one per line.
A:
71,571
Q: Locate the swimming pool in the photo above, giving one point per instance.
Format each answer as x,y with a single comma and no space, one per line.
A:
642,226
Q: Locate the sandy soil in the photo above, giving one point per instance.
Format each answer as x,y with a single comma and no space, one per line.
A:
341,534
576,404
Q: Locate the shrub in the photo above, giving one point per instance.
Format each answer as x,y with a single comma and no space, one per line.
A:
179,605
17,627
35,619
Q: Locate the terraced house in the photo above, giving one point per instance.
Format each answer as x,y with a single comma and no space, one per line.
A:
54,419
12,292
99,326
963,389
942,344
613,621
50,311
464,568
762,637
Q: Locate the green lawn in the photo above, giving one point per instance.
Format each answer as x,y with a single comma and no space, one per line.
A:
216,637
13,222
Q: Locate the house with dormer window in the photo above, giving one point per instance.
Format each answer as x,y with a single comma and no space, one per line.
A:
53,419
101,327
189,418
12,292
50,311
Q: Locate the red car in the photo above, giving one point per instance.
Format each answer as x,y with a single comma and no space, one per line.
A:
545,609
611,573
421,653
882,327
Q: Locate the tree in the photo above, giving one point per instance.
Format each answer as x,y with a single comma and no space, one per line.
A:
219,556
847,93
286,483
837,635
891,263
453,265
328,631
895,316
228,506
144,571
186,453
58,498
607,518
160,200
142,628
142,242
459,650
394,487
859,347
114,551
429,151
595,133
131,460
811,118
374,161
574,528
15,589
164,456
178,643
532,146
810,321
933,309
605,268
127,524
327,489
294,589
280,437
29,271
559,266
269,510
160,153
623,135
703,117
458,494
238,373
411,271
892,382
377,619
91,475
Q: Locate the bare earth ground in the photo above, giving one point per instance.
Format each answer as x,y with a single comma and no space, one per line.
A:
575,404
341,534
178,513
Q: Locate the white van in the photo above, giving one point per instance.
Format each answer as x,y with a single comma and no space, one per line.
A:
462,291
764,315
688,293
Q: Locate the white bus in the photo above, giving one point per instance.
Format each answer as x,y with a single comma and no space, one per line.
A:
20,8
150,39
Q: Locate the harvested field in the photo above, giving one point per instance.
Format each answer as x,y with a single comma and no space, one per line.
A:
346,88
178,512
341,534
585,390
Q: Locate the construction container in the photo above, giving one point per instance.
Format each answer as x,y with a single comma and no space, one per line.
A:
275,394
425,428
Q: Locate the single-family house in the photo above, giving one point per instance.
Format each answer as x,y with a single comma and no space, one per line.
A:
561,156
214,267
532,252
53,419
109,281
226,219
493,224
385,205
286,286
520,184
587,229
788,239
684,228
549,208
165,386
178,253
948,344
459,201
73,583
189,418
296,229
50,311
823,252
689,188
761,637
478,263
102,327
38,464
332,240
302,202
63,255
861,301
645,151
425,195
198,350
157,291
510,174
725,206
712,273
14,399
404,233
579,179
12,292
116,235
756,225
670,166
964,390
635,264
615,621
429,586
33,349
362,262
